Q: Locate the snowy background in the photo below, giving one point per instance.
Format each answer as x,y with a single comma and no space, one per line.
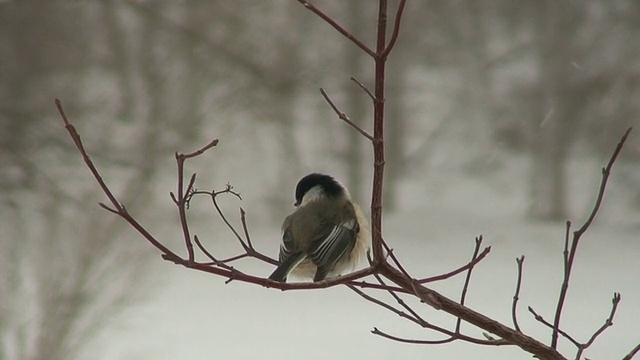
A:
500,116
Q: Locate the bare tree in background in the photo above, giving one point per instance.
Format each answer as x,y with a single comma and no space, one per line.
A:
66,271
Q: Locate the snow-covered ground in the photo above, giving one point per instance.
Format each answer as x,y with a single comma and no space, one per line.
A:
191,315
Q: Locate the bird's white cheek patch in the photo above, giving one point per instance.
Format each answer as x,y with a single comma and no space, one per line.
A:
315,193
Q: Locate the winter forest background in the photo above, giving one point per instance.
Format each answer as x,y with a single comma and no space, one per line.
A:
500,115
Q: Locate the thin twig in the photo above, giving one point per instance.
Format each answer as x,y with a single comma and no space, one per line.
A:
514,304
213,195
399,300
245,228
368,285
338,27
459,270
395,260
632,353
118,208
214,260
85,156
607,323
385,305
201,151
182,198
541,320
364,88
452,335
396,29
467,279
469,339
383,334
606,171
344,117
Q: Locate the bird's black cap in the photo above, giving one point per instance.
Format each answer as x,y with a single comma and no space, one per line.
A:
330,186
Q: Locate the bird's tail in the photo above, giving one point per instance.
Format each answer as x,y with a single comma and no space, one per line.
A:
281,273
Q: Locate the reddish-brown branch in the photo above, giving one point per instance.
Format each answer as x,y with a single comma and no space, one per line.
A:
395,260
245,228
467,279
368,285
245,243
344,117
439,301
118,208
607,323
87,160
338,27
396,29
214,260
632,353
425,324
383,334
568,263
544,322
182,209
399,300
459,270
378,135
451,338
514,304
364,88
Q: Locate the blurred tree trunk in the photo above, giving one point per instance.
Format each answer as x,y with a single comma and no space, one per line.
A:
552,137
357,104
395,127
70,270
282,111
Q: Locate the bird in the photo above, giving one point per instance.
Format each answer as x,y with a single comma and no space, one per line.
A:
325,236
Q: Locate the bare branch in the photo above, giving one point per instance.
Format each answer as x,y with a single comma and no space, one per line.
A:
364,88
367,285
383,304
568,265
119,209
472,340
201,151
465,287
395,260
245,228
215,261
400,301
632,353
344,117
383,334
608,323
606,171
338,27
544,322
422,323
396,29
514,304
459,270
87,160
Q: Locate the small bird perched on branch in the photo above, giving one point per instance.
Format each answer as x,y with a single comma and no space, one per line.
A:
325,236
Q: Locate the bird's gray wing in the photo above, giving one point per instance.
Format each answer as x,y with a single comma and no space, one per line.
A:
290,256
331,244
